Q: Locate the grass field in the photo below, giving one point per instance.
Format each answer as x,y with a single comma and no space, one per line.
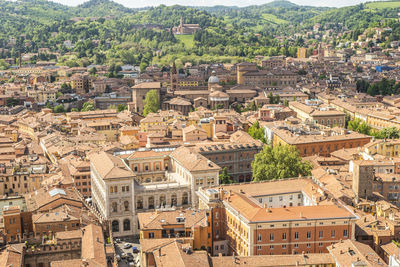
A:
272,18
383,4
188,40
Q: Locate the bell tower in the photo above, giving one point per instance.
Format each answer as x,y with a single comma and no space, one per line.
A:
174,77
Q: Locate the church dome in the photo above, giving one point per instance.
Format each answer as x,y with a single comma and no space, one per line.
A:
213,78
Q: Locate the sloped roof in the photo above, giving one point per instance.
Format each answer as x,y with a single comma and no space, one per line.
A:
109,166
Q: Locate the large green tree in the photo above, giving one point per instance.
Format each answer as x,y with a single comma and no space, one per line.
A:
279,162
224,177
256,132
59,109
122,107
360,126
387,133
87,106
151,102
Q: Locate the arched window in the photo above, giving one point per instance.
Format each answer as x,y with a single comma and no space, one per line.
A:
185,198
139,203
126,205
127,225
162,200
114,207
173,200
115,226
151,202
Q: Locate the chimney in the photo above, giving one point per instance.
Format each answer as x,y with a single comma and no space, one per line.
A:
221,194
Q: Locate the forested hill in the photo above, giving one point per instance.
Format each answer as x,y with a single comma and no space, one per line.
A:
105,32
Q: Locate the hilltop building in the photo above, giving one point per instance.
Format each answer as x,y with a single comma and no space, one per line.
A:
185,28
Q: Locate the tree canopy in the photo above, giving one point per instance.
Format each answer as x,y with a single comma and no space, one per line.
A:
256,132
279,162
87,106
59,109
151,102
224,177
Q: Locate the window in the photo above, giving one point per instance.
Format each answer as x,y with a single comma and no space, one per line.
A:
271,247
270,199
321,234
296,245
271,237
259,237
333,233
283,236
320,244
126,205
115,226
296,235
280,198
308,235
344,233
151,235
127,225
114,207
283,246
258,247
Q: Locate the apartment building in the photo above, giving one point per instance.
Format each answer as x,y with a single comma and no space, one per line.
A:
248,74
81,83
183,223
17,221
49,223
273,62
311,139
278,218
236,155
79,171
385,147
323,115
366,180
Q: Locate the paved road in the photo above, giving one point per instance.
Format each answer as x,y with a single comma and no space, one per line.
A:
119,250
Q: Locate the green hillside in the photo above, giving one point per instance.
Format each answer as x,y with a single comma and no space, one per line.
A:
187,40
383,4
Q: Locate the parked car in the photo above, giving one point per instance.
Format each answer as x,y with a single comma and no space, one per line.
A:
118,257
127,245
123,255
135,250
129,257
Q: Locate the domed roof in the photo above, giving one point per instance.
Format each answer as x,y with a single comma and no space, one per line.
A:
213,78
